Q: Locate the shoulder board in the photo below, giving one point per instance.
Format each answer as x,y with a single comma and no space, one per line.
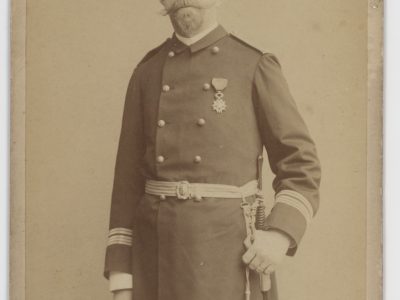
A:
152,52
250,45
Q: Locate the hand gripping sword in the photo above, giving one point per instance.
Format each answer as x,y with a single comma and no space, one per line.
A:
255,217
265,280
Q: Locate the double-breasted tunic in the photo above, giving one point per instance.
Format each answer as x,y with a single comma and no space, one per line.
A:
187,249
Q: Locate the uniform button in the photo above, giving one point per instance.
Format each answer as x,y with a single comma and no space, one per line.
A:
215,49
161,123
163,197
171,54
201,122
166,88
198,198
160,159
206,86
197,159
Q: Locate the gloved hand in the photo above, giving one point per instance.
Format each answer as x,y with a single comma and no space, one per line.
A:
267,250
123,295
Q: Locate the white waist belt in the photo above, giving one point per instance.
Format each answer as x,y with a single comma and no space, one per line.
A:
185,190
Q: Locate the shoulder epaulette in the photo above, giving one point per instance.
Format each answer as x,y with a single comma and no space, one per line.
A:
152,52
250,45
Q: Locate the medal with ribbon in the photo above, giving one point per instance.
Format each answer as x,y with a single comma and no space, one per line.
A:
219,104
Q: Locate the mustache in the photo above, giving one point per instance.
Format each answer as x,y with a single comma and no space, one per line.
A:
173,5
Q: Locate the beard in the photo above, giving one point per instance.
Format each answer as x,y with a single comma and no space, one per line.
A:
187,20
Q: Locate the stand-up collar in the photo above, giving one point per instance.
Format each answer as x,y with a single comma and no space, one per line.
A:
218,33
191,40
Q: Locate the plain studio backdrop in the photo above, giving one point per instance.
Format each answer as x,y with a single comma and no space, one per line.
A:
80,55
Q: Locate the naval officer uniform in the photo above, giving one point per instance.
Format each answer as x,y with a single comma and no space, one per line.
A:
195,122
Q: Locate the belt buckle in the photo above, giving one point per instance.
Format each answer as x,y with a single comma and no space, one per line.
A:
183,190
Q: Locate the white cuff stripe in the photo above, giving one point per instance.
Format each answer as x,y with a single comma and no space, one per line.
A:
120,239
299,197
297,201
125,231
120,243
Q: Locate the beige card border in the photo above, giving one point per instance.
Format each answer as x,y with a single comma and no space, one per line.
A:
374,276
17,155
374,163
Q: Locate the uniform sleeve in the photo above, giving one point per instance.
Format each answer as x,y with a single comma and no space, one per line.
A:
128,183
291,152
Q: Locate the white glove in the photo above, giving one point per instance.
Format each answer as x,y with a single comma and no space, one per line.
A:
267,250
123,295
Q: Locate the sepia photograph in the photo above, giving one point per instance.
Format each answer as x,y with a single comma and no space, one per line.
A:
196,150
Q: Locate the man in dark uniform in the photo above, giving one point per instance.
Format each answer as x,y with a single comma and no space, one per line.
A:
199,109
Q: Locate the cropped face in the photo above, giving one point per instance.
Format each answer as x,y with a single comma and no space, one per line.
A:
187,16
171,6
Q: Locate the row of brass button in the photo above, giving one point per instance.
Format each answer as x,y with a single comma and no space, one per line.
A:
166,88
161,159
214,50
200,122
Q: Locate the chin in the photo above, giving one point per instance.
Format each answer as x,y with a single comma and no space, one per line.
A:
187,20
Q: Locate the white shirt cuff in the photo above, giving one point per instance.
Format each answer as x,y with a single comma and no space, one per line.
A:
120,281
